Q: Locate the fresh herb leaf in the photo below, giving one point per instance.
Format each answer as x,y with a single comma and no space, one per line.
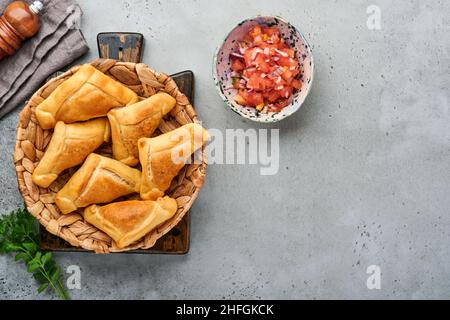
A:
33,266
19,234
30,246
42,287
55,275
20,256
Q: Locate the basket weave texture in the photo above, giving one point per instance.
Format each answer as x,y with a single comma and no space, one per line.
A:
32,140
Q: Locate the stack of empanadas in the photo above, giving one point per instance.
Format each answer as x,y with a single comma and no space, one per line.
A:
131,123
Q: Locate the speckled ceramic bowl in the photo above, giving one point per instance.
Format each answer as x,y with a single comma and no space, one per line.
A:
222,67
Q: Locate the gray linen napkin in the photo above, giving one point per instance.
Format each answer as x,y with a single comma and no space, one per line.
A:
58,43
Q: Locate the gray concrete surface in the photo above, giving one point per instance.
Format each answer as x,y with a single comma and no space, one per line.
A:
364,165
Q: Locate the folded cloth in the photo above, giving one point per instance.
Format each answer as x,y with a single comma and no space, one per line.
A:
58,43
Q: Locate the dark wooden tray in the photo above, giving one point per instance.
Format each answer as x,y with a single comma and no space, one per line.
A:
128,47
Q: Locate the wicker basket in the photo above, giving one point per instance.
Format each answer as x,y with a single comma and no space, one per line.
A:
32,140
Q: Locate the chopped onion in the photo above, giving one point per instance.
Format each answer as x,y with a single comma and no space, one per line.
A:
279,70
237,55
255,53
281,53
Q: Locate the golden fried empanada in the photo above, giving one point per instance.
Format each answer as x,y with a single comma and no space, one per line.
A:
164,156
128,221
69,146
99,180
87,94
129,124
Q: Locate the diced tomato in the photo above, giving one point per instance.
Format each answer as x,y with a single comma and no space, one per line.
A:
270,47
247,39
282,45
280,104
273,96
252,98
257,82
273,34
268,71
255,32
249,72
271,31
290,52
288,75
240,99
249,56
270,84
283,61
297,84
286,92
261,63
259,40
287,62
255,98
238,65
275,39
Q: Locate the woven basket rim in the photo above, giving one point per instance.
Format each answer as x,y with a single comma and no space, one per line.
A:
32,140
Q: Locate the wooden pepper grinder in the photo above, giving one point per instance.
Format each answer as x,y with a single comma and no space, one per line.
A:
20,21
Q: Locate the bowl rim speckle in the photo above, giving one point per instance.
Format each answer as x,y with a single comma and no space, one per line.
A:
228,104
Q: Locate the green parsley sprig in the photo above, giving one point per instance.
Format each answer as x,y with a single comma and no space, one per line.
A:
19,235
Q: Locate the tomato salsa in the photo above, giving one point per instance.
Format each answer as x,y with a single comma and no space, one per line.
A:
265,70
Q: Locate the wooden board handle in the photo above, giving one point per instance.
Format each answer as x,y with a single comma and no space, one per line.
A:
122,46
185,82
